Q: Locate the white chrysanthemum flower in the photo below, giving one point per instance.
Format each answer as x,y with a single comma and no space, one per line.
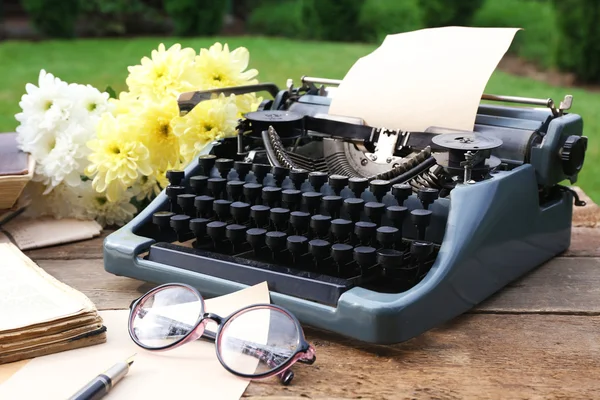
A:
63,202
67,160
106,212
89,102
146,187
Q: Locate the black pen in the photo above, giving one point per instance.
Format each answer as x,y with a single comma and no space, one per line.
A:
103,383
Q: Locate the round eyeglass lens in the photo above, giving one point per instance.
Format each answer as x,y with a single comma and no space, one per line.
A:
258,340
166,316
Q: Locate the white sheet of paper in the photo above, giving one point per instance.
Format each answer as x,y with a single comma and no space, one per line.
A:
192,370
429,77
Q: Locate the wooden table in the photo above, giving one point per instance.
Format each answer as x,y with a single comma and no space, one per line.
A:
539,338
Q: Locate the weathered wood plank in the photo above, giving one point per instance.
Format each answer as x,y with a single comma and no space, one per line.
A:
473,357
585,242
563,285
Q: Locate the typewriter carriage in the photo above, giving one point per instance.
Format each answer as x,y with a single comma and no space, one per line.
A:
493,230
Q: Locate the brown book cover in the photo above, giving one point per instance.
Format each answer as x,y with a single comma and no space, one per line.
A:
12,160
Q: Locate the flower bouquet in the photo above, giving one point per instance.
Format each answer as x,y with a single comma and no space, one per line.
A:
103,157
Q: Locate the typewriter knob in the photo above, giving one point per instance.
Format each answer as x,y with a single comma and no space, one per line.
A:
175,176
427,196
573,154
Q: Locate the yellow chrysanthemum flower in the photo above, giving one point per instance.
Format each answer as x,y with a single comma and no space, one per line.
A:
125,103
153,119
117,158
166,73
208,121
217,67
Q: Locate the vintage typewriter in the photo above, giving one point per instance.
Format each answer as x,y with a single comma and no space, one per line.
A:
372,233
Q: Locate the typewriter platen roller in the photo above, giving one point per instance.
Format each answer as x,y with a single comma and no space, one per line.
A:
373,233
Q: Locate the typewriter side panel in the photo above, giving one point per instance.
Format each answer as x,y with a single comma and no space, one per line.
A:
497,231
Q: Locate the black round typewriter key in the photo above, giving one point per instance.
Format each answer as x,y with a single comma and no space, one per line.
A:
279,173
260,171
216,230
175,176
271,195
320,249
260,215
358,185
338,183
298,176
198,226
280,217
320,225
297,245
204,205
276,241
172,192
221,209
300,221
162,219
252,192
235,190
199,184
224,165
216,186
421,249
341,254
242,168
341,229
317,179
333,205
186,202
235,233
256,238
379,188
312,201
240,211
180,223
207,162
427,196
291,198
387,236
397,214
420,218
375,211
365,231
353,207
401,192
365,256
390,260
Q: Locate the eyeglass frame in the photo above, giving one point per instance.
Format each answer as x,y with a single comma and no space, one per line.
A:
304,352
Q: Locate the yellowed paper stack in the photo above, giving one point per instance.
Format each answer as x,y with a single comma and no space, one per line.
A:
40,315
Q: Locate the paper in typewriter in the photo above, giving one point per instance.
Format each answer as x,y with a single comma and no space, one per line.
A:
429,77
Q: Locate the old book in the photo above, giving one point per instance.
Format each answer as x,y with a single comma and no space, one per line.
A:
40,315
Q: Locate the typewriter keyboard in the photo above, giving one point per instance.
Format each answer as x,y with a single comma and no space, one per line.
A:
308,234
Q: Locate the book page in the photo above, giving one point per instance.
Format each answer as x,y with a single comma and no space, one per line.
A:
429,77
33,233
30,296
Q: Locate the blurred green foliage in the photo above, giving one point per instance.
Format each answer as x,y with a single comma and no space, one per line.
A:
118,17
436,13
196,18
379,18
578,47
332,20
53,18
280,18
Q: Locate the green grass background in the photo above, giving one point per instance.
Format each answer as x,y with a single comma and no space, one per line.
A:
104,62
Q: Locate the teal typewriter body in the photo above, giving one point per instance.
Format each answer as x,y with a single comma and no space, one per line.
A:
376,251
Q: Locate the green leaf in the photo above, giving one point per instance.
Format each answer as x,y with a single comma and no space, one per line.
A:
111,92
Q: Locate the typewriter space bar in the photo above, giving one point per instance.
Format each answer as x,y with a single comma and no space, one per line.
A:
289,281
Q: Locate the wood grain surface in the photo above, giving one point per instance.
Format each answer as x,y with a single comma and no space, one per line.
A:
539,338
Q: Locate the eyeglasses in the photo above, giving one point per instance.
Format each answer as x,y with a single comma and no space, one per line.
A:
256,342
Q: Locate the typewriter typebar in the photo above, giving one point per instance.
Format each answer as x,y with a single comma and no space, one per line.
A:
373,233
